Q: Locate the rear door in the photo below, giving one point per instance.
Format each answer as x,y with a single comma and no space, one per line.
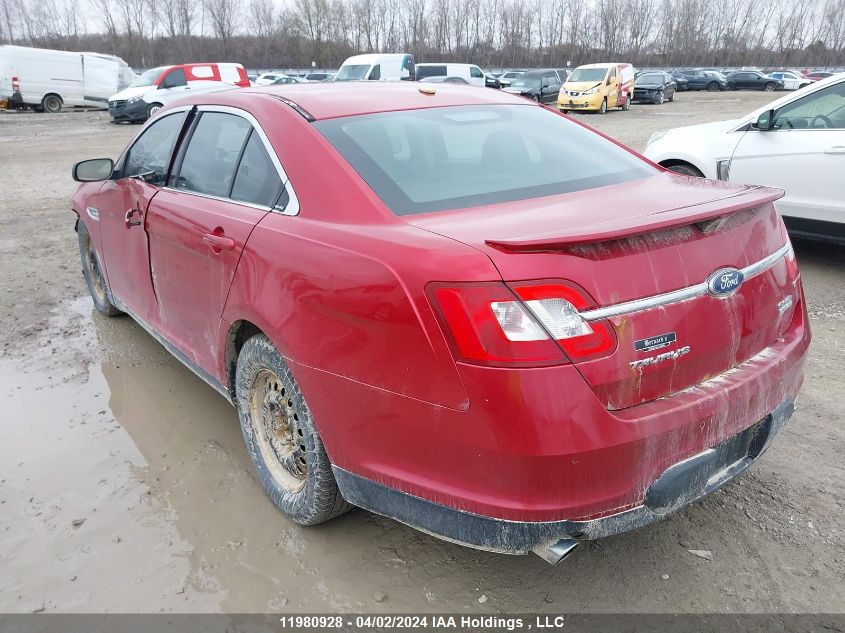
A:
803,154
224,181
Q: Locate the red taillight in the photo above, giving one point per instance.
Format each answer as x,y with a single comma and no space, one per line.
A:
539,325
472,313
557,306
16,84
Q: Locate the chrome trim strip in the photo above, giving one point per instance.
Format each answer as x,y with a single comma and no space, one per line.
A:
690,292
93,213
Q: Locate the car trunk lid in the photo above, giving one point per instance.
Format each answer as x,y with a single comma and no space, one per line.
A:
644,252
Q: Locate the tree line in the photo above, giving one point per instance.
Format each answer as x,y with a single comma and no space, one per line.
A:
491,33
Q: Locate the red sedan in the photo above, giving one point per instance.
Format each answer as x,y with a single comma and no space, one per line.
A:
453,307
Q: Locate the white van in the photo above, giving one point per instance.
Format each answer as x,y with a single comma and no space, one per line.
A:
377,67
48,80
471,73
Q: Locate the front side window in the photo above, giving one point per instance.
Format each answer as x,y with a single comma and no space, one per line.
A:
174,79
208,165
149,157
375,74
823,109
475,71
418,161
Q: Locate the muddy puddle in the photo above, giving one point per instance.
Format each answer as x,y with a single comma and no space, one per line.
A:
125,487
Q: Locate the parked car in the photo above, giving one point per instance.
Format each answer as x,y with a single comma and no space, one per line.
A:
491,81
793,143
539,85
654,87
266,79
319,77
445,80
287,79
709,80
378,67
597,87
681,80
818,75
48,80
791,79
457,333
752,80
470,72
505,79
159,86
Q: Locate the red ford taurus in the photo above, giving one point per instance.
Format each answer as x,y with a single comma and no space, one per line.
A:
452,306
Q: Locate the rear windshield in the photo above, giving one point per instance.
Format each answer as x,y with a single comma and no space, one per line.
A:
352,72
419,161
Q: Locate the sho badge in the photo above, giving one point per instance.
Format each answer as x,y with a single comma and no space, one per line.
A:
654,360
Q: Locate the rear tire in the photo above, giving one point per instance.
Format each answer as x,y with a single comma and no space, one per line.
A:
603,108
685,169
52,104
281,438
92,272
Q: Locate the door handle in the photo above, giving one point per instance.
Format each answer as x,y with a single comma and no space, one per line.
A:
127,219
836,149
218,242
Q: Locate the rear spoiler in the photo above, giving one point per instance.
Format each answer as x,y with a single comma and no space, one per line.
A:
752,196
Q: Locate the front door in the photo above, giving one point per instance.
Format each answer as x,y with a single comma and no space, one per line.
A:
804,154
123,204
224,182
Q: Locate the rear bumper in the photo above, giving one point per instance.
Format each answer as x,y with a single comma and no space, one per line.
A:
678,486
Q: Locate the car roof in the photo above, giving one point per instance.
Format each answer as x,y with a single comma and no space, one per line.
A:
371,58
350,98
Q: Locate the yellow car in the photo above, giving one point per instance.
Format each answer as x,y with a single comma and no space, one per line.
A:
597,87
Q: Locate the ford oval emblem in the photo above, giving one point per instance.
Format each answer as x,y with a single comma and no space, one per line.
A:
724,282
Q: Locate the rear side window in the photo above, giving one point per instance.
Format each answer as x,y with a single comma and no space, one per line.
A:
229,74
150,154
431,71
202,72
419,161
208,166
256,180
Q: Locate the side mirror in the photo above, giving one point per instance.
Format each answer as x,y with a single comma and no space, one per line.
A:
765,121
93,170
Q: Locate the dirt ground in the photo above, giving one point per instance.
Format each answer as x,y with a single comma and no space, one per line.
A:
125,486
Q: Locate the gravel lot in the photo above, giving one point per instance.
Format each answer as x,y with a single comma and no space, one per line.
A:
124,483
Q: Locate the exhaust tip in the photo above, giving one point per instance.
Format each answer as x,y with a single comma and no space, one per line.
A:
555,551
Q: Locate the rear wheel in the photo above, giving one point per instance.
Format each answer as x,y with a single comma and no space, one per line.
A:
712,86
92,272
281,437
603,107
686,169
51,104
769,87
